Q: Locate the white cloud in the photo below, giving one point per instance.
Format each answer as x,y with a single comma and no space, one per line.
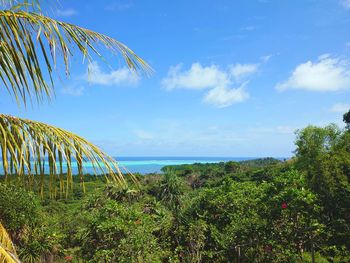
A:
223,97
240,71
266,58
326,74
67,12
219,82
120,77
197,77
73,90
340,107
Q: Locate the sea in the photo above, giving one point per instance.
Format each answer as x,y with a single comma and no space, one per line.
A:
146,165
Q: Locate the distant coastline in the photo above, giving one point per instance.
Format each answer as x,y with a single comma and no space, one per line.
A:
154,164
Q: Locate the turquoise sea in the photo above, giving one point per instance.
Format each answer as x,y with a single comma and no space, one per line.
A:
151,164
154,164
146,165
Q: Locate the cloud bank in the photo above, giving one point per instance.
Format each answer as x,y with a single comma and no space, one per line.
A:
224,87
240,71
326,74
118,77
95,75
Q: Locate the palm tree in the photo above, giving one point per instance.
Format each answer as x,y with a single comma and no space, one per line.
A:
7,249
30,46
172,189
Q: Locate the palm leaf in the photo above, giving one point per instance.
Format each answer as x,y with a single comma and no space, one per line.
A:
7,249
27,145
31,42
32,3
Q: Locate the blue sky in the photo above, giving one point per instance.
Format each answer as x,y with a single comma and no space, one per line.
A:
232,78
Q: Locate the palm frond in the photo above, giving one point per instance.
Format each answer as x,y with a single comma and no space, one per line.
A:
17,2
28,146
31,42
7,249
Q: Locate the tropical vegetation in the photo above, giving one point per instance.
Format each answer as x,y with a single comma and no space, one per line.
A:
263,210
33,47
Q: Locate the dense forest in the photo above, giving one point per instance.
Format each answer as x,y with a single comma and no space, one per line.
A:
264,210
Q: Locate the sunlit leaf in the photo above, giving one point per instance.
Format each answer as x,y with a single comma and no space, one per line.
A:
31,46
7,250
29,144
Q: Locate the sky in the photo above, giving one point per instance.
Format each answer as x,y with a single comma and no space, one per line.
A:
231,78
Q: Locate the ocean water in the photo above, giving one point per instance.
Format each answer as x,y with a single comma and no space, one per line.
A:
145,165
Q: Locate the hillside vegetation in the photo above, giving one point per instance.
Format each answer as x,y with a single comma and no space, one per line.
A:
263,210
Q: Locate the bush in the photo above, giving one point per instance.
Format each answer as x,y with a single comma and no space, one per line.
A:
18,208
124,231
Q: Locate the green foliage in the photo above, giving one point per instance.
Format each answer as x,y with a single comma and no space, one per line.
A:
324,156
36,246
261,162
231,167
262,210
18,208
315,151
346,119
123,232
256,219
27,224
171,191
30,44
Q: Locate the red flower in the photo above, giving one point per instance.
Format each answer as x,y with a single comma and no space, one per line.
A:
268,248
284,205
347,215
68,258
